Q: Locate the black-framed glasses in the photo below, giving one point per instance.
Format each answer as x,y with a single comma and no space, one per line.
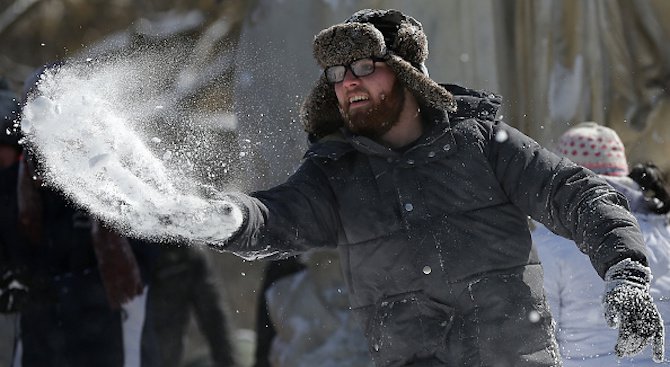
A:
360,67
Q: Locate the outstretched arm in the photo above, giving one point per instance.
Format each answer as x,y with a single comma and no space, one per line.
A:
570,200
577,204
286,219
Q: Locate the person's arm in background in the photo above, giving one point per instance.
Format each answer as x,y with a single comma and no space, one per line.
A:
209,312
30,208
118,267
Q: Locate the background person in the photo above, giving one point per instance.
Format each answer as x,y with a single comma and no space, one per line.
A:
87,283
182,286
13,287
573,288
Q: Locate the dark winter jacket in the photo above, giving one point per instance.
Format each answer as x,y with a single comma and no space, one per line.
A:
434,240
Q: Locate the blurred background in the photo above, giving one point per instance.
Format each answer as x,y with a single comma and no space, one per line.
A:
248,64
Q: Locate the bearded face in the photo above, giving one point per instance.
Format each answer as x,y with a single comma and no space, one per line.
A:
375,116
371,104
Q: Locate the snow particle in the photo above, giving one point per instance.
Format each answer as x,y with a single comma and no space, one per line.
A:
427,269
534,316
501,136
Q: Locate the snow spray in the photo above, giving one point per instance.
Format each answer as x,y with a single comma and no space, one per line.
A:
111,136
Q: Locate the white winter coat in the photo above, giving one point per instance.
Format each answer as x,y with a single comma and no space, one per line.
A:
314,324
574,290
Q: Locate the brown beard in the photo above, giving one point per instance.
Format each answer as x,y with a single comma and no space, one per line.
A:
379,118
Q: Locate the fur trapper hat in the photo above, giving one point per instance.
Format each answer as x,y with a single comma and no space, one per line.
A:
388,34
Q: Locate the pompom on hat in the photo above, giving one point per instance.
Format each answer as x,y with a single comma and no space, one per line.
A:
595,147
388,34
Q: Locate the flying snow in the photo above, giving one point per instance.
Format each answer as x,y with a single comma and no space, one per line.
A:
90,125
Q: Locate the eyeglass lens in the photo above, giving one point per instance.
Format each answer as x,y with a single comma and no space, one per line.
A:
359,68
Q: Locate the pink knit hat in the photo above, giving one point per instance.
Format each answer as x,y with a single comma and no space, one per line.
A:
595,147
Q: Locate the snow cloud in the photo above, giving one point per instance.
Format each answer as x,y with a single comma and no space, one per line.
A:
111,136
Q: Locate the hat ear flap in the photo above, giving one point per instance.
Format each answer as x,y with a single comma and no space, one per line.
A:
320,113
426,90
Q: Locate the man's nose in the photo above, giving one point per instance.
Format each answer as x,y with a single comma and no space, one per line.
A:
349,78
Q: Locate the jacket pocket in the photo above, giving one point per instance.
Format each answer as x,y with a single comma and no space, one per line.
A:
407,327
513,318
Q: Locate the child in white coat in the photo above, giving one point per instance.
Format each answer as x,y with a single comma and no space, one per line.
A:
573,288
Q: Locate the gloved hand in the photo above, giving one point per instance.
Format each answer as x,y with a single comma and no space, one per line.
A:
650,179
630,308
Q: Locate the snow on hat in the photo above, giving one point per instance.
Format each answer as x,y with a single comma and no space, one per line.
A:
595,147
388,34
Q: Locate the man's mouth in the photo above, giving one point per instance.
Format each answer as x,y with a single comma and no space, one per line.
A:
358,100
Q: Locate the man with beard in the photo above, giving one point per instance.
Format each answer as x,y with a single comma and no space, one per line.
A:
426,195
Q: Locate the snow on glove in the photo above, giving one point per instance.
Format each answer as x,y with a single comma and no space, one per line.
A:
630,308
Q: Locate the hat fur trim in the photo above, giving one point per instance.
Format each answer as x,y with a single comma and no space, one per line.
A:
320,111
342,44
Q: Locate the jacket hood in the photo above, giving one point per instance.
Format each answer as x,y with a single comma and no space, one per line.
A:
471,103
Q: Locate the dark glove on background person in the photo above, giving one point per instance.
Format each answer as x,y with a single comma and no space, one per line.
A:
650,179
630,308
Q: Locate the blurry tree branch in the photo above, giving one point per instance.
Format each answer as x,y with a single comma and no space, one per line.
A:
14,12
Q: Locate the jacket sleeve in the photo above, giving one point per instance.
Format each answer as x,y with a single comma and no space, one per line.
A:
570,200
287,219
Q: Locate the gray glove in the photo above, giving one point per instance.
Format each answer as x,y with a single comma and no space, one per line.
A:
630,308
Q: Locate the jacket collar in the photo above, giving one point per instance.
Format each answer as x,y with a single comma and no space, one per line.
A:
437,141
